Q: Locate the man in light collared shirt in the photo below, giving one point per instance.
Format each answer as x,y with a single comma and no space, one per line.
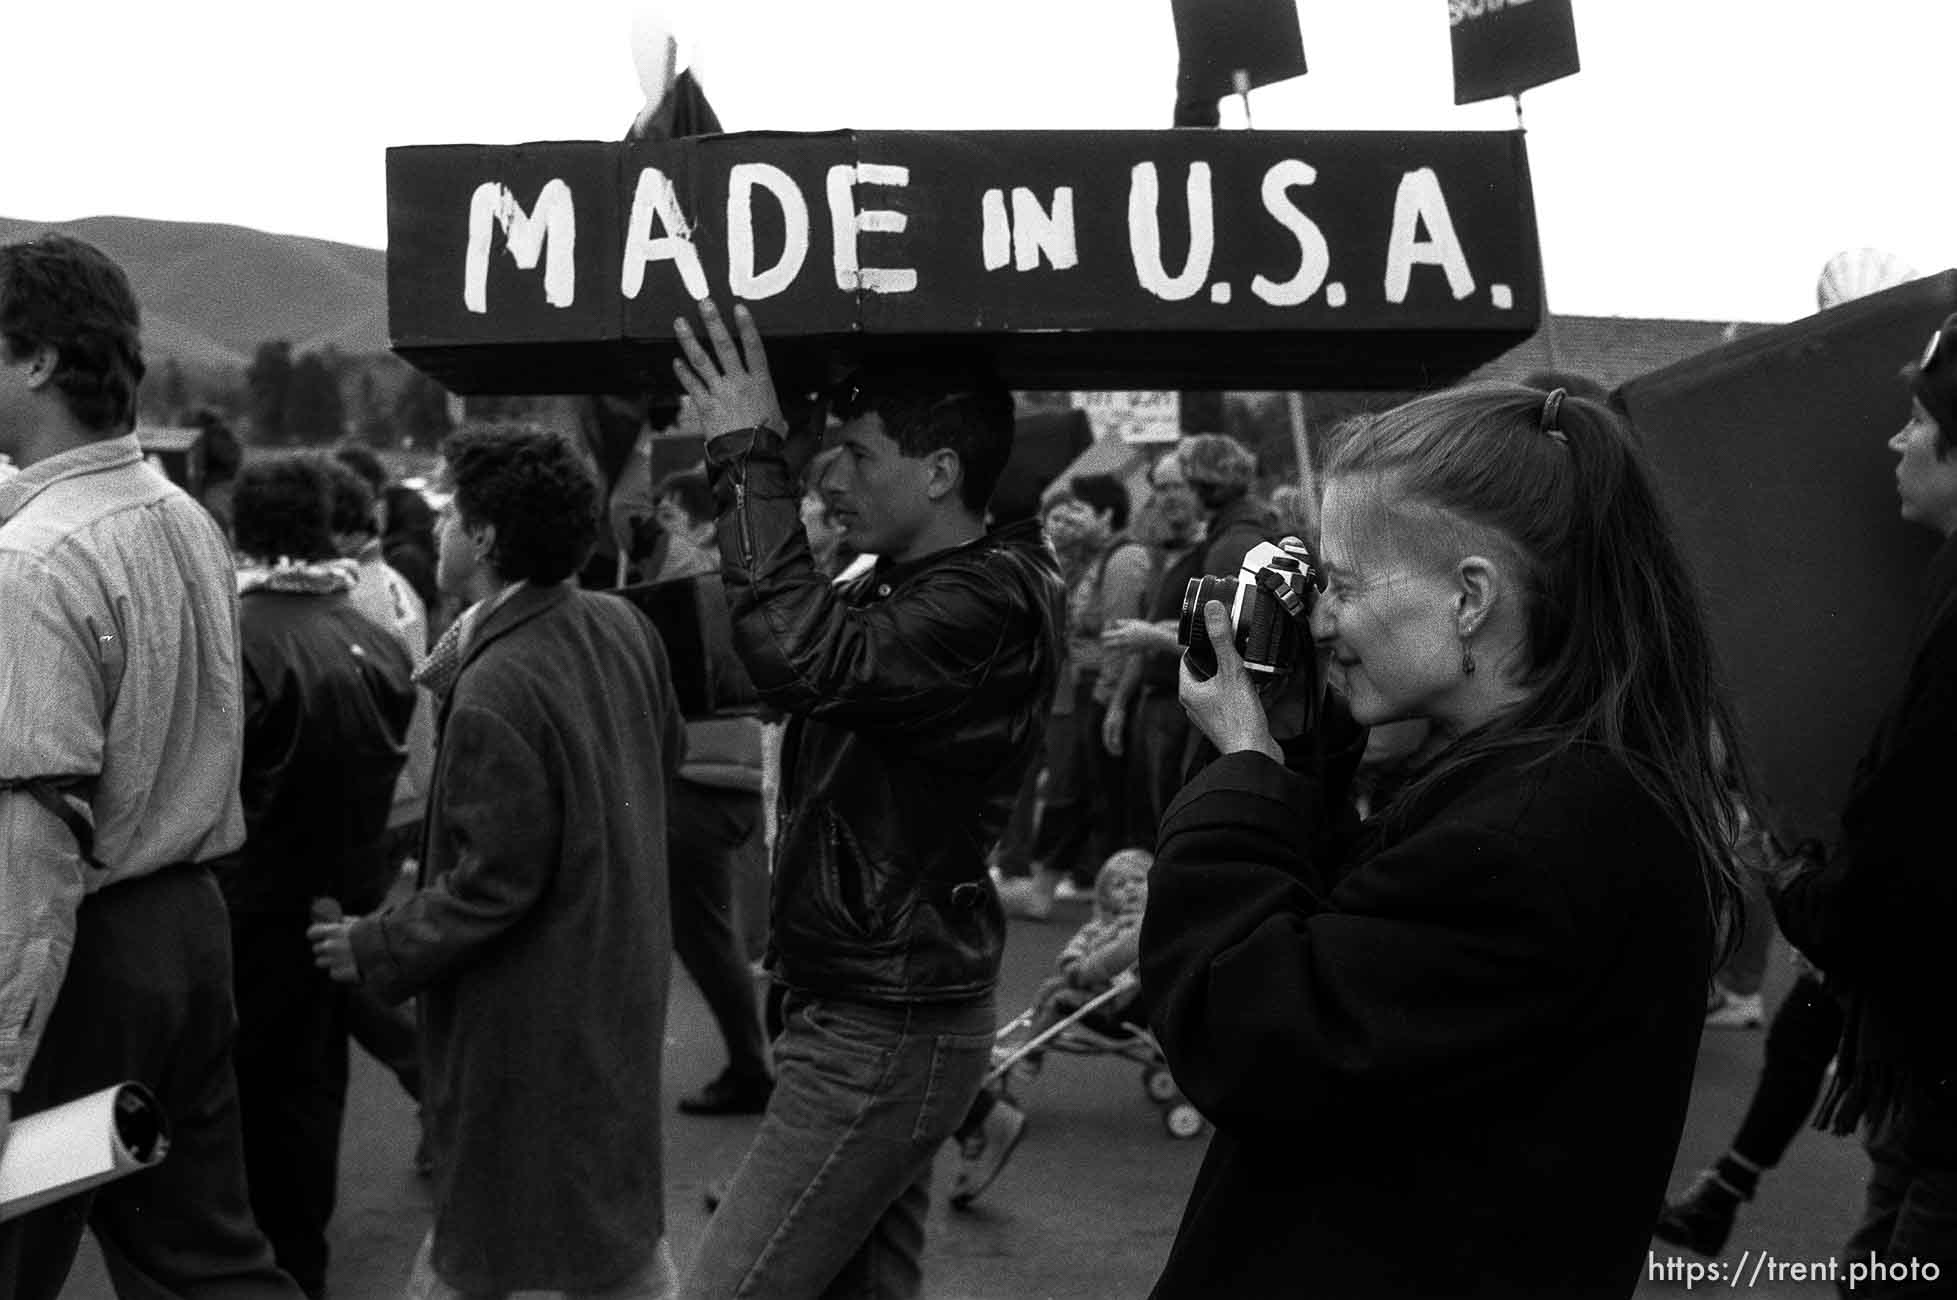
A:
120,742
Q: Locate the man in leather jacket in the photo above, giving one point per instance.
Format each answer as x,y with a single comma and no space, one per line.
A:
917,696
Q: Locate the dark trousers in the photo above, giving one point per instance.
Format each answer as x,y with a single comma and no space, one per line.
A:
386,1033
1801,1040
380,1028
1085,816
1158,737
1015,852
1910,1217
705,827
147,996
292,1087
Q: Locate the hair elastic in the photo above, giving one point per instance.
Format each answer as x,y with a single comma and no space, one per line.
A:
1552,410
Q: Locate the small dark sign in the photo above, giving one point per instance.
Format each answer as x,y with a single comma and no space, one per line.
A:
1217,39
1148,259
1503,47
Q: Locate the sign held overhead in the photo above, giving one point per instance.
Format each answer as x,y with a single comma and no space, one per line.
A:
1085,260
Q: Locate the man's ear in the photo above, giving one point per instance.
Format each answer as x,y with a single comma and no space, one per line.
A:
943,470
42,362
1478,583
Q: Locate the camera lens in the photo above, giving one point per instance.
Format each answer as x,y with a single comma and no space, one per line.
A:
1191,631
1198,593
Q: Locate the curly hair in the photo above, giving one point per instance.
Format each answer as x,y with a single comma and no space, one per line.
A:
59,292
1217,467
362,460
536,487
282,508
352,499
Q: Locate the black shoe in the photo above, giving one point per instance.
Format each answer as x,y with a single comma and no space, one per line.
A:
984,1154
729,1093
1702,1219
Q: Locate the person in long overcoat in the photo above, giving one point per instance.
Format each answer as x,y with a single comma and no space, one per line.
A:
539,941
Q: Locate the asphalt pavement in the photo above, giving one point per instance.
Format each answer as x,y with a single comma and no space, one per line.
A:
1091,1200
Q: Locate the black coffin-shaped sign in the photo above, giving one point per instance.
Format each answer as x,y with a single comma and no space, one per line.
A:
1159,259
1773,451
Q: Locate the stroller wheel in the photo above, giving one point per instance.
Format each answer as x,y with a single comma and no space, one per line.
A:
1183,1121
1158,1083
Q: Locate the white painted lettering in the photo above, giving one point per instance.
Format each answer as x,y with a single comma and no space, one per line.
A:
1145,233
847,222
551,224
1314,256
656,199
742,279
1419,202
995,239
1036,231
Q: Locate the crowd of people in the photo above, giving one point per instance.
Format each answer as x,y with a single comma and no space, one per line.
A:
275,770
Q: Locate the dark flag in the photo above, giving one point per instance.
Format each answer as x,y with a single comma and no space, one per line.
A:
683,112
612,423
1217,39
1503,47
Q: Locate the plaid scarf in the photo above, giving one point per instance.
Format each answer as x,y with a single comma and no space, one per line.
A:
444,663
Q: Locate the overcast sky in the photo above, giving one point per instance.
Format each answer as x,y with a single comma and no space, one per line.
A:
1709,158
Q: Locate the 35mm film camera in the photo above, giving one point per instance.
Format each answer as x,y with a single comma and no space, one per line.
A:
1269,600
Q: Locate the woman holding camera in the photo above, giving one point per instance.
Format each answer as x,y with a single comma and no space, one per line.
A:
1450,1052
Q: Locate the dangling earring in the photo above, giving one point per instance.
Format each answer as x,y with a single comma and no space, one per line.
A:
1467,659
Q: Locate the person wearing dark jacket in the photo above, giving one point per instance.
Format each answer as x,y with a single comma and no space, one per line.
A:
1478,1015
1877,915
538,940
916,695
327,700
1218,472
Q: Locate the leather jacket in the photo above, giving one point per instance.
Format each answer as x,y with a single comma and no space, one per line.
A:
918,696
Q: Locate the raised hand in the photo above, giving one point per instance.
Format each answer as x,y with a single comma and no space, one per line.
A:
732,388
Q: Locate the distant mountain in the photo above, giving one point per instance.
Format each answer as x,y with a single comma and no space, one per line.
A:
211,294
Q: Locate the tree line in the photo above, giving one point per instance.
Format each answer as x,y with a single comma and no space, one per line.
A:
316,398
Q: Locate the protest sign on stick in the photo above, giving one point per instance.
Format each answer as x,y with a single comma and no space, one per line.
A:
1504,47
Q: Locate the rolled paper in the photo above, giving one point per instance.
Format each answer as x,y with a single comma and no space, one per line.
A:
67,1149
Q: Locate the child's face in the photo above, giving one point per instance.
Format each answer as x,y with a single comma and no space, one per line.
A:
1124,892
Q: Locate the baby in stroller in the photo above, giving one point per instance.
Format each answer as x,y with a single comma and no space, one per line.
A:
1090,1002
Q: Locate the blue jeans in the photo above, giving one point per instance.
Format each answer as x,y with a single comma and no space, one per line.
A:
830,1200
